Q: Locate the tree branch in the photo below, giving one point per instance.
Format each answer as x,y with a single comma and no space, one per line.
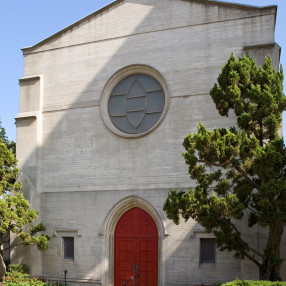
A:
229,162
244,173
251,258
254,211
12,246
252,249
215,164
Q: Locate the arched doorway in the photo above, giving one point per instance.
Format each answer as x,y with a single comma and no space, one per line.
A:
136,242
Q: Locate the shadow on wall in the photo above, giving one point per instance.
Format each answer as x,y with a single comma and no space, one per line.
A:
74,168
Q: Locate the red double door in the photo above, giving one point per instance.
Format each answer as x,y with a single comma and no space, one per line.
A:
136,243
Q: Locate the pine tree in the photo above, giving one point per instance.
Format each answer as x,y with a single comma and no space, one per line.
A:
240,171
16,216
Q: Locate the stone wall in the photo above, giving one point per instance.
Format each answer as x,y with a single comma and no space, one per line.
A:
75,169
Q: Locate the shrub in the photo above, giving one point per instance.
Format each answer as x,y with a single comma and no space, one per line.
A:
17,274
238,282
15,278
22,268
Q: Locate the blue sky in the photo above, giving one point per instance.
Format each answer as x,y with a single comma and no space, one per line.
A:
25,23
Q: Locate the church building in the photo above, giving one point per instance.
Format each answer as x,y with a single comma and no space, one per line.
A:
104,107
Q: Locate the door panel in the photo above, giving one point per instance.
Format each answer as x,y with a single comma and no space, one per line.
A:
136,241
147,257
125,258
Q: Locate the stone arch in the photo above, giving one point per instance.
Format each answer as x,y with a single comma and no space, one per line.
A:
124,205
107,233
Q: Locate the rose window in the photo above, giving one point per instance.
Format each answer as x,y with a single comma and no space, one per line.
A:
136,104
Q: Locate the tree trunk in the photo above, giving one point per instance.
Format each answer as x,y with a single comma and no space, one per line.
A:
270,267
2,268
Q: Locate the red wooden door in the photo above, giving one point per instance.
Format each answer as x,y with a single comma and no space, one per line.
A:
136,242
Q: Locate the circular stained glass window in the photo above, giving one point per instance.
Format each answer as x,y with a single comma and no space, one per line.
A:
136,104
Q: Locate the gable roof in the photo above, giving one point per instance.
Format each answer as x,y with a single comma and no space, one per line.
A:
115,3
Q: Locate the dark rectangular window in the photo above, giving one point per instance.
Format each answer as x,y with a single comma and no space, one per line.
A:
68,247
207,250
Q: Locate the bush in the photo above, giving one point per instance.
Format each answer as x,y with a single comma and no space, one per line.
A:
15,278
17,274
22,268
238,282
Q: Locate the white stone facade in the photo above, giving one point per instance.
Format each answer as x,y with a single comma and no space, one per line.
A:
82,175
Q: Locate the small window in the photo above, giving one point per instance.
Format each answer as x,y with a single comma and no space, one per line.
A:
68,247
207,250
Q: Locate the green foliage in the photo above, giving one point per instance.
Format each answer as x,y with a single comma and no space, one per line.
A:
217,283
16,216
238,282
22,268
15,278
11,145
18,274
8,170
239,171
254,93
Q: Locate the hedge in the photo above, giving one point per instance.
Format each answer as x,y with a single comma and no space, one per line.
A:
238,282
